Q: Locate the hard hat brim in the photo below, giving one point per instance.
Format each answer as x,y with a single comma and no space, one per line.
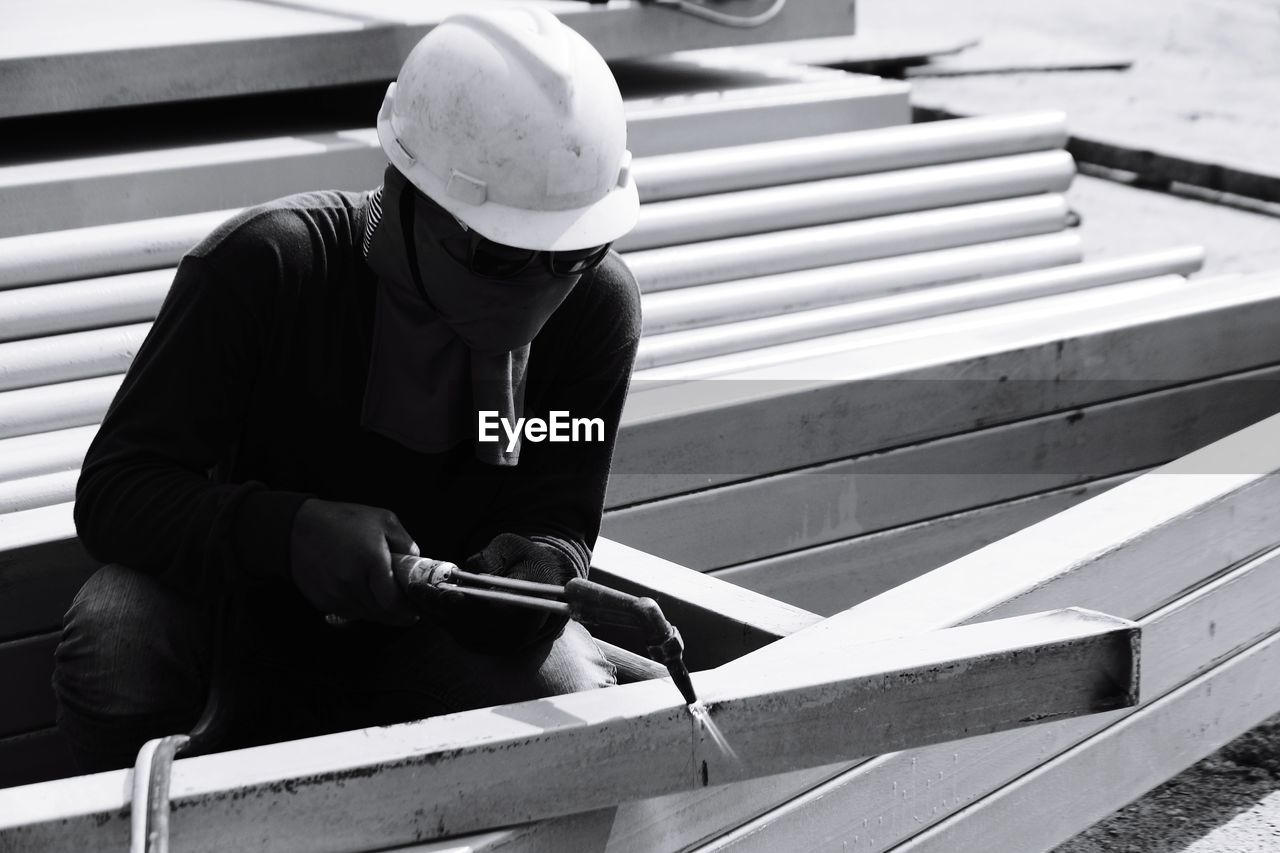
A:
595,224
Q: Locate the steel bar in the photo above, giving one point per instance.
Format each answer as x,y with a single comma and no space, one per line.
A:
38,491
762,296
732,214
93,303
62,358
44,452
633,739
694,344
744,166
824,245
1137,547
53,407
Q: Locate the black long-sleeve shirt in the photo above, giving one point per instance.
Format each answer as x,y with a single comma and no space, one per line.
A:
245,400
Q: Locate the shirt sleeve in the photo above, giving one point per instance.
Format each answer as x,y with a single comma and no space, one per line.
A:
145,496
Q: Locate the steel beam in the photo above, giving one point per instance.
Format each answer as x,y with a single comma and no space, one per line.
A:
465,772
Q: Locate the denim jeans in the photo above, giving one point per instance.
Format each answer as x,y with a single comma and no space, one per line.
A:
136,662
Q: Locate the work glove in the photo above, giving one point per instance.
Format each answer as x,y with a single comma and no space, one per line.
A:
340,560
499,628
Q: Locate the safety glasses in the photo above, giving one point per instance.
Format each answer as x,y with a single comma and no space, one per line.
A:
484,258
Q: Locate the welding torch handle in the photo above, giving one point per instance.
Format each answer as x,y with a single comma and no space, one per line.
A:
498,597
509,584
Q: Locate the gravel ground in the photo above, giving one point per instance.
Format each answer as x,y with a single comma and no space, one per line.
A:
1226,803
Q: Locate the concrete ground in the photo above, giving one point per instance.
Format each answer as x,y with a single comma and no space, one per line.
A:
1203,82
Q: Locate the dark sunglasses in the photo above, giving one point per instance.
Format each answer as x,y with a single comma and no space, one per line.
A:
487,259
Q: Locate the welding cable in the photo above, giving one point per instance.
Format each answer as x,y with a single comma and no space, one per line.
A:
742,21
153,768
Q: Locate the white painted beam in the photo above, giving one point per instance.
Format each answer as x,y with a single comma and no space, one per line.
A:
781,513
718,620
1137,547
1182,642
1077,789
55,62
826,579
933,377
465,772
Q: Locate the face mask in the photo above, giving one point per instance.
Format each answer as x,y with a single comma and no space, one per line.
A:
446,343
489,315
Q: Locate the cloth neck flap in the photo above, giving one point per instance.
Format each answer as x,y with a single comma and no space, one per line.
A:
447,345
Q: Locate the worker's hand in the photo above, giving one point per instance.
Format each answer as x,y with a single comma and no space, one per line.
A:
499,628
513,556
341,560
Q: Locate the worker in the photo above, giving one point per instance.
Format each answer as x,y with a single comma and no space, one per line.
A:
307,404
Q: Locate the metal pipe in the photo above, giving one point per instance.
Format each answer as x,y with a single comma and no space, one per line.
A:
738,167
52,407
99,250
41,490
89,304
73,193
692,344
745,299
44,453
731,214
82,355
826,245
62,358
154,243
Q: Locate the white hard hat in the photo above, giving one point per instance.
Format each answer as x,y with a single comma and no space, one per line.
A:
513,123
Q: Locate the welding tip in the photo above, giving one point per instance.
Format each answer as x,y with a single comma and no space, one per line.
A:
680,677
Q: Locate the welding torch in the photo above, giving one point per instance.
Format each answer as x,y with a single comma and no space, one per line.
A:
581,600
